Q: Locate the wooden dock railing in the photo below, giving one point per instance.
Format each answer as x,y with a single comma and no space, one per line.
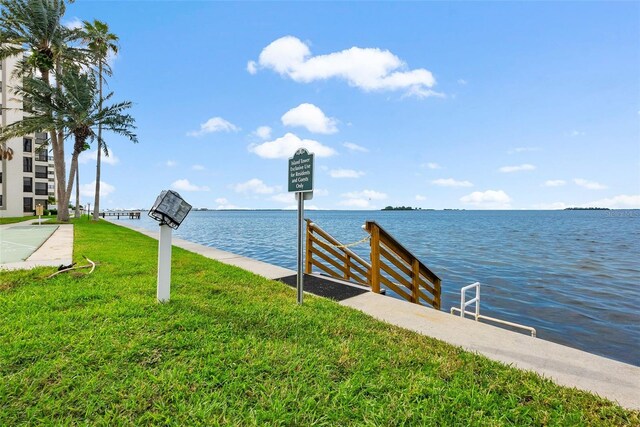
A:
412,277
125,214
392,265
333,258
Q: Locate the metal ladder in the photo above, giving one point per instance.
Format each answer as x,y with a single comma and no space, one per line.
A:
476,300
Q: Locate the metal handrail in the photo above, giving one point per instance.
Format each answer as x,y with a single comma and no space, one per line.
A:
476,300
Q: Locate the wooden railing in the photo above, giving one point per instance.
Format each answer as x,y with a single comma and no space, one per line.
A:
330,256
392,265
412,277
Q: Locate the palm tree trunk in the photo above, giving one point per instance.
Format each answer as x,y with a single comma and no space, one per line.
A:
63,213
96,201
57,143
77,193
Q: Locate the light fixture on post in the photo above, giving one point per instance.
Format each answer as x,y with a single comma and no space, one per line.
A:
169,210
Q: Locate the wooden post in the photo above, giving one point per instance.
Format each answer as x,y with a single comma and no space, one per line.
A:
347,266
437,285
375,257
307,258
415,282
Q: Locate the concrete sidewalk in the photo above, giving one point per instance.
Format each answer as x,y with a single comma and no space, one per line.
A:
616,381
56,250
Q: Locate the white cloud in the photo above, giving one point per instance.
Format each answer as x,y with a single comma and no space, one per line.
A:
310,117
221,201
252,67
284,147
621,201
87,156
263,132
420,198
284,198
89,190
575,133
554,183
431,165
487,199
345,173
589,185
450,182
370,69
214,124
171,163
355,147
355,203
523,149
75,24
462,82
255,186
509,169
197,167
185,185
365,194
320,192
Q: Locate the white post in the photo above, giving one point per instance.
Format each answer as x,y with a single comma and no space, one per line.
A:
164,263
300,280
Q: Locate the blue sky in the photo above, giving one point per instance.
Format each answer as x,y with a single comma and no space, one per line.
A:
437,105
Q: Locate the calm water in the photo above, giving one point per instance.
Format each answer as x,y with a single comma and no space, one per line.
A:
573,275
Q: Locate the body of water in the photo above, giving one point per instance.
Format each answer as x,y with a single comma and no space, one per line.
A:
573,275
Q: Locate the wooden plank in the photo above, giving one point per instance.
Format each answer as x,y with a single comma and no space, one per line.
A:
307,258
332,240
347,267
430,275
426,298
401,280
395,261
437,294
415,281
326,269
375,261
357,269
427,286
330,260
333,251
395,288
400,250
358,279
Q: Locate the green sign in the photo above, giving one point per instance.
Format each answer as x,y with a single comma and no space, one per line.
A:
301,171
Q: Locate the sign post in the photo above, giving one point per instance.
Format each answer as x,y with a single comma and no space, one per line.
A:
300,180
39,212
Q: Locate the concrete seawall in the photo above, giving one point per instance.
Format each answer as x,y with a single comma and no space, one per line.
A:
616,381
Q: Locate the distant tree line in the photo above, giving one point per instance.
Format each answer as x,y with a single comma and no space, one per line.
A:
400,208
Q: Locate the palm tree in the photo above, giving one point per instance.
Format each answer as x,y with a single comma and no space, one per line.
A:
73,107
34,26
100,42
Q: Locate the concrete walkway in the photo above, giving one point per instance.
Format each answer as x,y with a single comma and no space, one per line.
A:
616,381
56,250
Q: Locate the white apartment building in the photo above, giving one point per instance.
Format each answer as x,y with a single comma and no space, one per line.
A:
27,175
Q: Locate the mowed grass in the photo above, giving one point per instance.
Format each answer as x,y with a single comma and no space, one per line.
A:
233,348
14,219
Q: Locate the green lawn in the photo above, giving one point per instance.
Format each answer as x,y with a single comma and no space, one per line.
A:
234,348
14,219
